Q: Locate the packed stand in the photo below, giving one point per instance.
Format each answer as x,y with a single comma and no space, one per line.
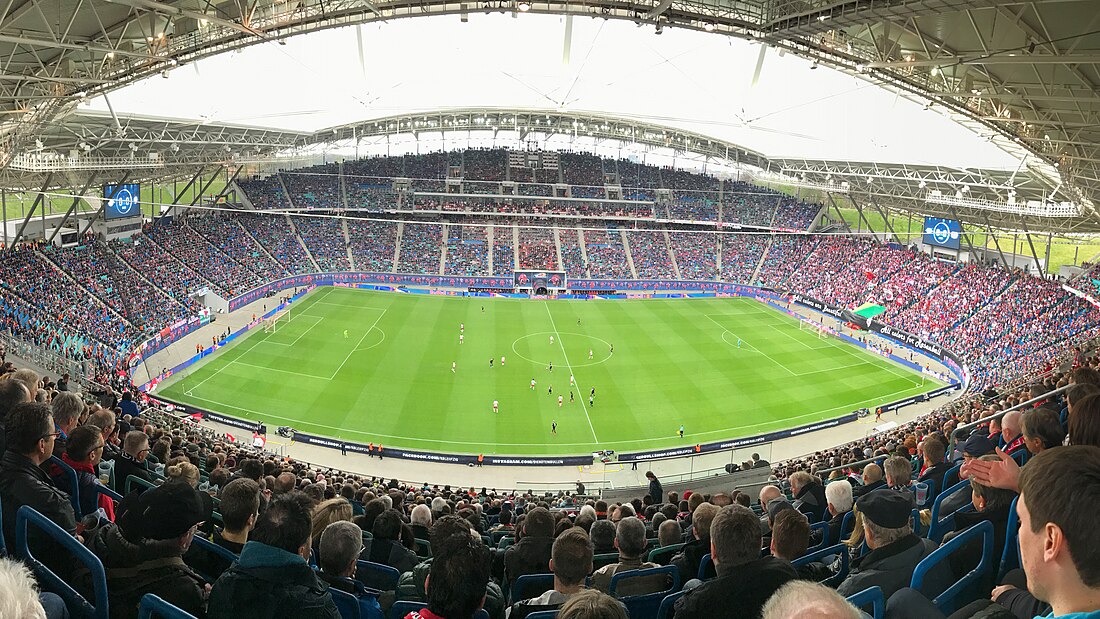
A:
955,299
484,165
108,277
693,207
649,251
606,256
785,254
421,246
324,238
537,249
165,271
741,254
227,234
266,193
572,256
228,276
504,255
696,255
467,251
274,235
316,187
372,244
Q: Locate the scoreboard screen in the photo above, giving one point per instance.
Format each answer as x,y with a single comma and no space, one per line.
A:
122,201
539,279
942,232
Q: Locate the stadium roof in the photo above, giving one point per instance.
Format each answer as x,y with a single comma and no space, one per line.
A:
1013,84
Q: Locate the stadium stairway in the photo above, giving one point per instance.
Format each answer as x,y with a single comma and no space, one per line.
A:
671,255
344,227
443,250
344,198
489,244
301,241
584,251
515,247
557,248
397,246
626,250
286,192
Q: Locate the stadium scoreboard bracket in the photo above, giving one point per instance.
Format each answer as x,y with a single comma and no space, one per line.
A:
539,282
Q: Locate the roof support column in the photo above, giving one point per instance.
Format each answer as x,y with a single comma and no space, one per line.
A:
76,201
37,200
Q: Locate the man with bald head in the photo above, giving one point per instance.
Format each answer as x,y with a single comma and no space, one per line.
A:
1012,432
872,480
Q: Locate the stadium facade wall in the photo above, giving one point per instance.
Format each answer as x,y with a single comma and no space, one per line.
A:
480,286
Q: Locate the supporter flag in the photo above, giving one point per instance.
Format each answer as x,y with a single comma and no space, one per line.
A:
869,310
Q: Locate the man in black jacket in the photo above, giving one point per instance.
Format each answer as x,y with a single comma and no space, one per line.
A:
691,555
12,392
135,448
30,436
932,449
745,580
143,552
531,554
272,578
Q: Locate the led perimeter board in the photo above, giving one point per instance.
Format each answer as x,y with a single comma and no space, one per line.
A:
942,232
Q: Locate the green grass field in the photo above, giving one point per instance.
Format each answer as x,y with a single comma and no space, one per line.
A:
675,362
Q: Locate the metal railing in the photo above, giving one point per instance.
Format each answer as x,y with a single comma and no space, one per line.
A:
820,472
997,416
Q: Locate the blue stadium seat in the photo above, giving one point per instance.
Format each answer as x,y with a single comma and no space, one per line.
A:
504,542
543,614
1010,555
950,478
346,603
705,564
77,605
662,556
916,521
134,480
646,606
208,547
102,489
70,478
847,525
824,528
946,600
940,526
153,606
423,548
607,558
668,604
840,550
529,586
872,596
376,575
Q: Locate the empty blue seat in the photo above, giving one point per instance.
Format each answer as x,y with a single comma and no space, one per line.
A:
153,606
946,600
873,597
376,575
346,603
840,550
668,604
706,567
941,524
1010,555
27,517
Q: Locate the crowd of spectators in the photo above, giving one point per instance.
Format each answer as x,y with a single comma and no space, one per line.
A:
226,275
504,255
572,256
227,234
537,249
265,193
372,244
696,253
277,238
325,239
606,256
741,253
467,250
421,248
649,251
316,187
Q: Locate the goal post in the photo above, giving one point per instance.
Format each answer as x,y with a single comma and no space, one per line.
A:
271,323
819,329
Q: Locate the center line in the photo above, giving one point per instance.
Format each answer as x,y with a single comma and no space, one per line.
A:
570,368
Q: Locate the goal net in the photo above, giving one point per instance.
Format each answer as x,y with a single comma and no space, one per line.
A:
274,321
808,325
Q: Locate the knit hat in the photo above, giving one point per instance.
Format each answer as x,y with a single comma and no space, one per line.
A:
167,511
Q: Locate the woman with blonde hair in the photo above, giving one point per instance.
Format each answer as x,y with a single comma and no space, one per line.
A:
326,513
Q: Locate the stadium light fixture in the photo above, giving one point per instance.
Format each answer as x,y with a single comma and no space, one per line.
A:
709,26
524,6
1039,208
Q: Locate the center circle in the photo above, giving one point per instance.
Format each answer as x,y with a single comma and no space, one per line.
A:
538,345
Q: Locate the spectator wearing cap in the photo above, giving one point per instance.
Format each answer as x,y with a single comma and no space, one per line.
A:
143,552
691,555
272,577
570,562
745,580
31,435
631,543
1059,544
895,550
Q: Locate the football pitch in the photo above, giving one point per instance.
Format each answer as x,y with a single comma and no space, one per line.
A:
377,367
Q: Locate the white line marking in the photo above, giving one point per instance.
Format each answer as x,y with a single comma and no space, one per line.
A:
570,368
359,343
319,318
269,369
754,348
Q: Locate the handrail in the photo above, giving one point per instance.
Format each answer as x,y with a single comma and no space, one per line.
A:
999,415
851,464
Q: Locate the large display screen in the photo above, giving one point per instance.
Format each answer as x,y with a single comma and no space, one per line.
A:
122,201
539,279
942,232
